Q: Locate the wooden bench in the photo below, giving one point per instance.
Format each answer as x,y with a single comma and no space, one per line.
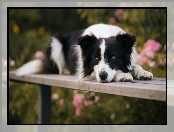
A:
152,90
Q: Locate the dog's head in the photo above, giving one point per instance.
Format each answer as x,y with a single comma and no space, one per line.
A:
105,56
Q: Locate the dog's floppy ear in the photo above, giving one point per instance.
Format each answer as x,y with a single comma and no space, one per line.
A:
125,41
86,40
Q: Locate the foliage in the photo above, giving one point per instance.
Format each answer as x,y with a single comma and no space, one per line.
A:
23,104
29,31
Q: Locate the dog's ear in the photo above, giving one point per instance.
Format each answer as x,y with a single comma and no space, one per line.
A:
86,40
125,41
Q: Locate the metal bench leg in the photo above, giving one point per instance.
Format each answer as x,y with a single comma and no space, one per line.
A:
44,112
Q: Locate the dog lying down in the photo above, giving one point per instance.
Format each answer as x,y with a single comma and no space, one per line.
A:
100,52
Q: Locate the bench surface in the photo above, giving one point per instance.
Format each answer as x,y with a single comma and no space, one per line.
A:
153,90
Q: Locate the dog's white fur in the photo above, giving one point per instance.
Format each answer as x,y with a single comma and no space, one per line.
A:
31,67
57,54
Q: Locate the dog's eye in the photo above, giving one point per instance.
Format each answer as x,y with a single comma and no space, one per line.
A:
113,57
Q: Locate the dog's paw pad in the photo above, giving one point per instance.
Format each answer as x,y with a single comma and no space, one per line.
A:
145,75
124,77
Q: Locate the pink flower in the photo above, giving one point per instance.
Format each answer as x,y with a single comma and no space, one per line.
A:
118,14
78,100
12,63
39,55
151,63
112,21
55,96
96,99
88,102
149,53
143,59
153,45
112,116
78,103
165,47
61,102
78,111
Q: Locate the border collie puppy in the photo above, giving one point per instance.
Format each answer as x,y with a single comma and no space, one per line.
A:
101,52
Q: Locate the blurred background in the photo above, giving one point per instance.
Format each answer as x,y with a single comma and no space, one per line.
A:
29,33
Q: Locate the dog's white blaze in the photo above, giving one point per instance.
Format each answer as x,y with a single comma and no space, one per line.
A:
103,66
57,54
102,47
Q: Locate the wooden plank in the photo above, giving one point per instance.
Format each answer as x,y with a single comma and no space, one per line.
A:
152,91
156,81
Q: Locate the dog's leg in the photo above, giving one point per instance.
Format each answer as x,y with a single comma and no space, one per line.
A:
139,73
123,77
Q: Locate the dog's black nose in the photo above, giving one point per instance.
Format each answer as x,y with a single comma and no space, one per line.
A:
103,75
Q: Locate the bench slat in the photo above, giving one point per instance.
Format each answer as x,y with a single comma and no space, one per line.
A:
153,90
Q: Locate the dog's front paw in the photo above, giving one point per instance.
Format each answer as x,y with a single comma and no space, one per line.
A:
66,71
141,74
144,75
123,77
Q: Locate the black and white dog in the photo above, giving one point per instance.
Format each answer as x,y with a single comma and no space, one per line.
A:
101,52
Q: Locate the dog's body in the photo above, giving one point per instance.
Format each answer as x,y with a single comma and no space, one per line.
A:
101,52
